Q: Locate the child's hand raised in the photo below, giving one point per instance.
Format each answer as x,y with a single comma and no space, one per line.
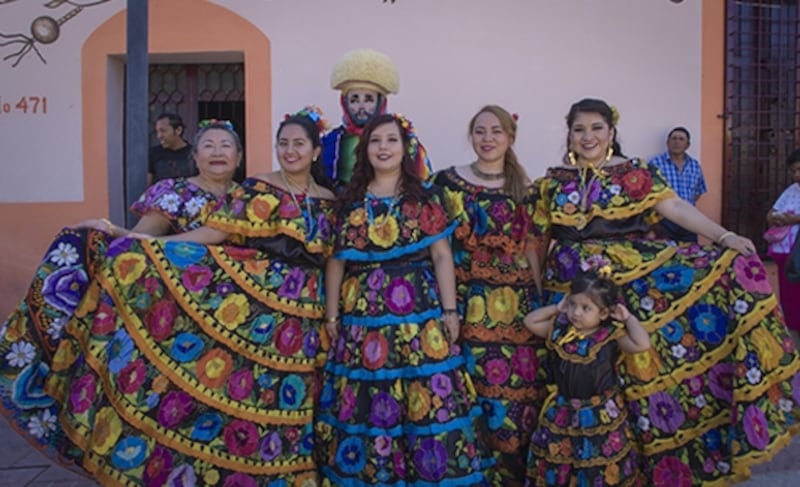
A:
620,312
562,305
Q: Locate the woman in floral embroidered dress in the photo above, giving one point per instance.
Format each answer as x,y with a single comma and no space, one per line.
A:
60,281
36,326
198,364
493,200
720,389
395,404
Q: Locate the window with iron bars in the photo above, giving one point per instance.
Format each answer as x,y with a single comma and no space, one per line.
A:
761,110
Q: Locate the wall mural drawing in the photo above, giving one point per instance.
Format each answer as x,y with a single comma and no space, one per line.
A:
44,29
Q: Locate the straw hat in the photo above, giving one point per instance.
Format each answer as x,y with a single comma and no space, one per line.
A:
365,69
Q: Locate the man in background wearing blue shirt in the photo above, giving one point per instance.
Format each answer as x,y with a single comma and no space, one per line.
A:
684,175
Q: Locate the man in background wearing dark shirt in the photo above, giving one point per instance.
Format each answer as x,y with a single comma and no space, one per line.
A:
172,158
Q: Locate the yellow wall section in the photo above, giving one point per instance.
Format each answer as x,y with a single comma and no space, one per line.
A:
713,105
175,26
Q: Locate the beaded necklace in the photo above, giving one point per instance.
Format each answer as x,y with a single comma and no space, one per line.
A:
369,197
308,214
485,175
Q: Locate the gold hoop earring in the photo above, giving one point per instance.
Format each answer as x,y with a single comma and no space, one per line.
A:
610,153
571,157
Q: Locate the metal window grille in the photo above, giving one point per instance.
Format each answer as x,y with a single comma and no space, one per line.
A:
761,109
196,92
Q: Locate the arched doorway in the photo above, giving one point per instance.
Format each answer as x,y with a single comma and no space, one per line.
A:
235,40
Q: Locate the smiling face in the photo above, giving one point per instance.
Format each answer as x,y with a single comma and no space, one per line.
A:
590,137
168,137
361,105
489,140
584,313
216,154
295,150
385,148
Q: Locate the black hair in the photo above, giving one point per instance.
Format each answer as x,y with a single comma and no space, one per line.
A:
680,129
593,105
363,172
601,290
313,134
792,158
175,120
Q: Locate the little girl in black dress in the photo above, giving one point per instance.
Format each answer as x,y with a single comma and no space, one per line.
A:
583,434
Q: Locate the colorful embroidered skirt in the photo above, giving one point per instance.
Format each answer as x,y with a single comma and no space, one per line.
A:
396,405
185,364
719,390
583,443
503,360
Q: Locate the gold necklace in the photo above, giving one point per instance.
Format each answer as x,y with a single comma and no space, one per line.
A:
308,214
488,176
586,186
573,333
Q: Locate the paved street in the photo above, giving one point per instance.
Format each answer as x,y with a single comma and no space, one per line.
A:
22,466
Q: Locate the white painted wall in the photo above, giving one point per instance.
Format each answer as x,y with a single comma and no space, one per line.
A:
534,57
41,154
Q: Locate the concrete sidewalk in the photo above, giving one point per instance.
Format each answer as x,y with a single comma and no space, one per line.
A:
23,466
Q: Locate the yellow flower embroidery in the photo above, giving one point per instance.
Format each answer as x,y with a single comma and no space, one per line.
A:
349,293
65,355
419,401
211,477
357,217
128,267
476,309
454,203
612,474
644,365
592,249
106,431
770,351
89,301
628,257
233,311
408,331
503,305
261,207
384,231
16,327
433,341
160,384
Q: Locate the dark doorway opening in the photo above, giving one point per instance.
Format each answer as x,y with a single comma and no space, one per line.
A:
197,92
